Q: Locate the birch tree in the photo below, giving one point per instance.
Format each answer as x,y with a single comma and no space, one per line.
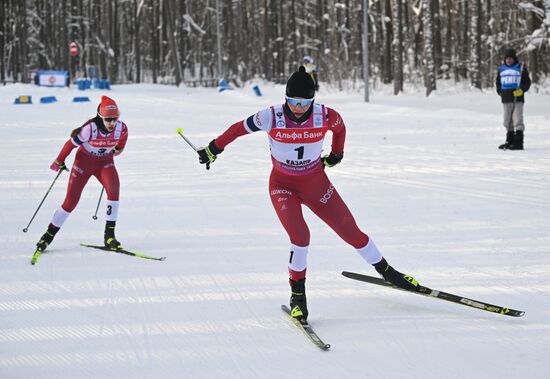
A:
429,65
475,43
398,47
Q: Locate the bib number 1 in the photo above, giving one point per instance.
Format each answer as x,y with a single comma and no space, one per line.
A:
300,151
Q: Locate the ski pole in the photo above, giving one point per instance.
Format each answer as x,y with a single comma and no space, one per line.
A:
39,205
180,132
98,202
511,124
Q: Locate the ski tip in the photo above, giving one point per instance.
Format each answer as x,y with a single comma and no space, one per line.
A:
162,258
35,256
179,130
510,312
325,347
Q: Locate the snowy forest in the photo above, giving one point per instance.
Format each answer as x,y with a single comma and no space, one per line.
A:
178,41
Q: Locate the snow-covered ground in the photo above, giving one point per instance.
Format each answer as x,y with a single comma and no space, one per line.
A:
423,177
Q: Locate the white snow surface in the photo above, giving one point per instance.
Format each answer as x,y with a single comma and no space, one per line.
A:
422,176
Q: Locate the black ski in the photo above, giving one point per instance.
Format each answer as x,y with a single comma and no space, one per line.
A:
307,329
439,295
123,251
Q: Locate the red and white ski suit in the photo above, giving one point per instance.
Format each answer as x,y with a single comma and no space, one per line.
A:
94,157
298,177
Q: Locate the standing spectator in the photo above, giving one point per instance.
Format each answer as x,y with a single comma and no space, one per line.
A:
311,69
512,82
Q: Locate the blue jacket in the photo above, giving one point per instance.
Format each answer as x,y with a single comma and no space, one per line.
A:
510,78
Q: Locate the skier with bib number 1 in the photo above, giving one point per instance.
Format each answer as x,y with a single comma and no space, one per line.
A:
296,130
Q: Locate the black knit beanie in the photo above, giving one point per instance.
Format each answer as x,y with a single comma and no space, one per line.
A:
510,53
300,84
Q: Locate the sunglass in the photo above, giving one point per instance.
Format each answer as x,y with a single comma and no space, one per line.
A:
110,119
302,102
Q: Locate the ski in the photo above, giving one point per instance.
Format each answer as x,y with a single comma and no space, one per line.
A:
124,251
307,330
439,295
35,256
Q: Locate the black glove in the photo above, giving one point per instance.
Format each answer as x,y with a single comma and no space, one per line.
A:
208,154
332,159
116,151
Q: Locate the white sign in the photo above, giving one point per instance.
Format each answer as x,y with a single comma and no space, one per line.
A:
52,78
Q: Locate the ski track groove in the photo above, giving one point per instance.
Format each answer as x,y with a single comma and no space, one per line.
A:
454,190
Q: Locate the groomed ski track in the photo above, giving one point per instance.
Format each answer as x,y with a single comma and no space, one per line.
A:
422,176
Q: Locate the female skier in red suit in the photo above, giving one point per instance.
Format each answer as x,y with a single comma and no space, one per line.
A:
98,140
296,130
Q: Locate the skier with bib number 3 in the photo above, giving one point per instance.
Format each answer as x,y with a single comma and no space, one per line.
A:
98,140
296,130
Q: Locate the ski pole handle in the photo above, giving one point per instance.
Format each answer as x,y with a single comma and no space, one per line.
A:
180,132
42,202
98,202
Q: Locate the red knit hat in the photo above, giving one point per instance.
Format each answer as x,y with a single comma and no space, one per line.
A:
108,108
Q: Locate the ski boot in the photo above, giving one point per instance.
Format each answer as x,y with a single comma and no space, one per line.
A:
47,238
109,236
396,278
298,303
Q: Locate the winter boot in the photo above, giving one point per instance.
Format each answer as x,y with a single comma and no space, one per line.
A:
47,238
509,141
109,236
298,303
518,141
395,277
